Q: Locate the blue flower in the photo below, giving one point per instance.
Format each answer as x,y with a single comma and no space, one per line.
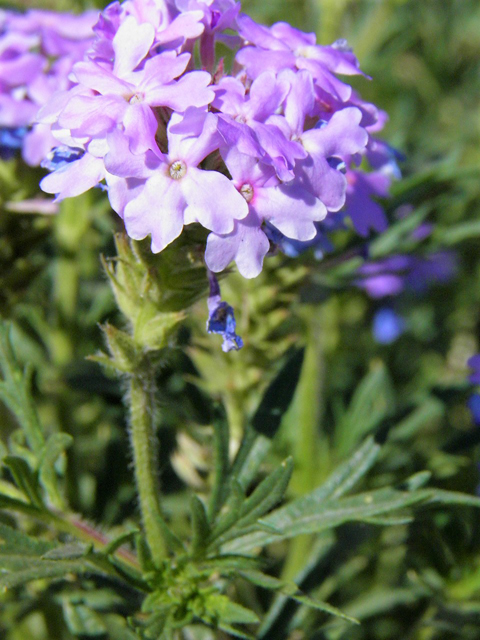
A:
11,140
473,403
388,326
221,318
61,156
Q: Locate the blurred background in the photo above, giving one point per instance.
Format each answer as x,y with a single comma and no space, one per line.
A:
390,364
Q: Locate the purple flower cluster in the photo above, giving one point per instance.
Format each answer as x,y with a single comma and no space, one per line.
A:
257,156
37,52
391,276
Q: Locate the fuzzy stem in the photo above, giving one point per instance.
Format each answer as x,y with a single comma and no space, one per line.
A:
142,434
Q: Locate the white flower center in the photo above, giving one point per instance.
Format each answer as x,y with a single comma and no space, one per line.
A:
306,52
177,169
136,98
247,191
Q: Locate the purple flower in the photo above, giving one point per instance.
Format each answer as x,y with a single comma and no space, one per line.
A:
288,207
125,95
283,47
174,190
259,156
391,276
37,52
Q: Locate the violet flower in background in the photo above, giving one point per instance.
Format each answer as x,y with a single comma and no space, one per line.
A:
395,274
37,52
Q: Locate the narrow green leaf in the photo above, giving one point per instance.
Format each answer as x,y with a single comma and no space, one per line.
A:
440,496
40,569
278,396
229,514
24,478
71,551
348,474
268,493
322,545
82,621
418,480
221,441
119,541
12,504
14,541
15,391
323,606
305,515
389,521
371,403
236,633
200,525
173,541
55,446
229,563
268,582
221,608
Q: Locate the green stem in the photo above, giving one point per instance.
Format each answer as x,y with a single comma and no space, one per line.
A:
142,434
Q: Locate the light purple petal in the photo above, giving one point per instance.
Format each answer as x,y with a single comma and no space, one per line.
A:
120,161
291,36
256,60
325,78
212,200
191,90
290,209
300,100
186,26
140,127
21,70
266,95
247,245
74,178
229,96
99,79
161,69
342,136
37,144
157,210
122,190
92,115
262,36
317,176
131,44
195,144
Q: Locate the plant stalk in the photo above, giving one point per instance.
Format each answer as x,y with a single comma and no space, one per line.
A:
142,435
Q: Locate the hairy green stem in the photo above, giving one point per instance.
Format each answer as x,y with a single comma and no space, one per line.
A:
142,434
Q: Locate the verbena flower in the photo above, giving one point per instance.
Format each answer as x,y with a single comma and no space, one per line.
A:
259,156
37,52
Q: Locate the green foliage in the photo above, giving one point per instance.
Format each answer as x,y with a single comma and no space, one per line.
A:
311,481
